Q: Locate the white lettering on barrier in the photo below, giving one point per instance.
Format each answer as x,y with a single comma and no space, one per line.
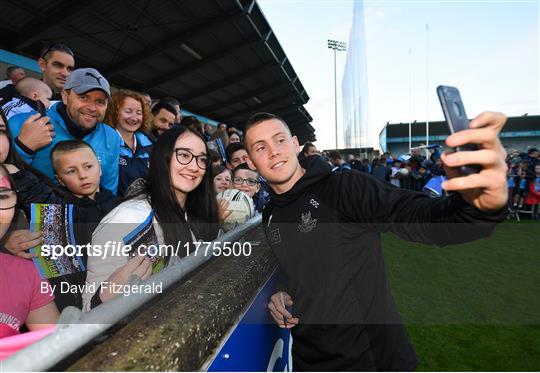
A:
277,353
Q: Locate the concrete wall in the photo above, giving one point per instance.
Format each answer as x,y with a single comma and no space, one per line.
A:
184,327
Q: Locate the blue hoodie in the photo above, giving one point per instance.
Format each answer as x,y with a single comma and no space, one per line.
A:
103,139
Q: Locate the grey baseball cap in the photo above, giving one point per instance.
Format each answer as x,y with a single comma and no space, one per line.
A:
87,79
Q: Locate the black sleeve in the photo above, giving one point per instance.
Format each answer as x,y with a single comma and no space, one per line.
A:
281,281
411,215
7,93
31,190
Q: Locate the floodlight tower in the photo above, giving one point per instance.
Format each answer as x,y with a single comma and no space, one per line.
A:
337,46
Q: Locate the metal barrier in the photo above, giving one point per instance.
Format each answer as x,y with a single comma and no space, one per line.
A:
75,329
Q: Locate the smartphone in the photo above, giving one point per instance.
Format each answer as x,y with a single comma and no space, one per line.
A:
454,113
41,108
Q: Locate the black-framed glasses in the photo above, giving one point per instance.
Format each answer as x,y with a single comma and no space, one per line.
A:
8,199
239,181
56,47
184,157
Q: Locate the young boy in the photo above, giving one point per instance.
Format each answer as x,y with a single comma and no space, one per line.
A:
78,171
247,181
77,168
236,155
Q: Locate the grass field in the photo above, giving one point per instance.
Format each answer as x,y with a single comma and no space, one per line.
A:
474,306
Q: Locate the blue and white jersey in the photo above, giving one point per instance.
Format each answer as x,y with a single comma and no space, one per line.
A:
16,106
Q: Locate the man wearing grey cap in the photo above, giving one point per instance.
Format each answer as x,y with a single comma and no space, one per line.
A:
78,116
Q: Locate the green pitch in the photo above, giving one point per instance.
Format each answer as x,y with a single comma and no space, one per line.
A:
474,306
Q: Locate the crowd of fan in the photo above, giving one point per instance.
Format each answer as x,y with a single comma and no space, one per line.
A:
524,181
114,158
409,171
124,157
423,171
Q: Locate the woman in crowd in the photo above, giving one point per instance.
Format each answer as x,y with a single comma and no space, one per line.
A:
130,115
176,205
222,178
23,302
234,137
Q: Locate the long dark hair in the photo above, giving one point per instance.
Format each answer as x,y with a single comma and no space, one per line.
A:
13,157
201,204
5,172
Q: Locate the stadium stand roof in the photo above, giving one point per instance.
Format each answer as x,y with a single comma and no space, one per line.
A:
220,58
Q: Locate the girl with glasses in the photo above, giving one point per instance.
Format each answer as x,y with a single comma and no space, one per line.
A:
175,204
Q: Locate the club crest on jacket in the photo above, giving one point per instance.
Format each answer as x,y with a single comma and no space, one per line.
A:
307,223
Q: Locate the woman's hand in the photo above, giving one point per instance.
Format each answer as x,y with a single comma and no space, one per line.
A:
17,242
139,265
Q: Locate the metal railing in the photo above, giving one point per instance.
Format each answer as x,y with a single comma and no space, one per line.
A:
75,329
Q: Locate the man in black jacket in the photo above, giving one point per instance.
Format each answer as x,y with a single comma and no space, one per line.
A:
324,228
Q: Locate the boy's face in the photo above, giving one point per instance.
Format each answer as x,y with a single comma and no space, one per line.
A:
238,157
79,171
537,169
242,179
